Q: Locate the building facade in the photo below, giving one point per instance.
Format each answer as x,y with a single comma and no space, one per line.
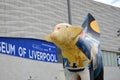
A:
37,18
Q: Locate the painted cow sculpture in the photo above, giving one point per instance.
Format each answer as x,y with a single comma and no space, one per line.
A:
80,49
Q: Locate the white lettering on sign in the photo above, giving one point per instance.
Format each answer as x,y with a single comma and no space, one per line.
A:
7,48
21,51
42,56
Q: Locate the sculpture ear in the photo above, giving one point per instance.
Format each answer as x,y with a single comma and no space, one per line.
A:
48,38
90,27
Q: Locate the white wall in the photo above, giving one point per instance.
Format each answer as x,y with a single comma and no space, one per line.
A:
112,73
15,68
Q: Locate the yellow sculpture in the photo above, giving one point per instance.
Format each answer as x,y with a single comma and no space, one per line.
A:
80,49
65,36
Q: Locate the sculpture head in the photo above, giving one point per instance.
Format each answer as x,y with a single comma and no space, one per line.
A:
64,35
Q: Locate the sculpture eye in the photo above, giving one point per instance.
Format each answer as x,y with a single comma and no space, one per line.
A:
67,26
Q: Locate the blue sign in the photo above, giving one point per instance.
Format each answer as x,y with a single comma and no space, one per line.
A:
29,48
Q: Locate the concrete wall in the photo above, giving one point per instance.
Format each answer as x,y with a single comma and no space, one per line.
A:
31,18
14,68
37,18
111,73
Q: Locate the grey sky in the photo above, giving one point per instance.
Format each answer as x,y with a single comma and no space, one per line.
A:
115,3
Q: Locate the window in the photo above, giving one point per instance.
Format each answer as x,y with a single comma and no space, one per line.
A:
109,58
